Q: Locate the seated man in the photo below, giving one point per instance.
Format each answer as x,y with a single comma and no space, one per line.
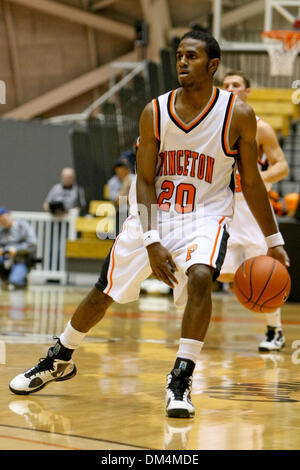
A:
130,155
17,244
66,195
119,184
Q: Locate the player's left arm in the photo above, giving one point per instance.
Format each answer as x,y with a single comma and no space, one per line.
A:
254,190
268,142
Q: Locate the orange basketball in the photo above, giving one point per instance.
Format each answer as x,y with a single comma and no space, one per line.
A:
262,284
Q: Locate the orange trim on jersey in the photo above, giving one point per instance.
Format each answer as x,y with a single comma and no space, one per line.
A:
186,127
226,128
156,119
113,258
216,241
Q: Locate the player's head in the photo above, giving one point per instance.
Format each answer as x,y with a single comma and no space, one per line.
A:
237,83
122,168
5,218
197,58
67,177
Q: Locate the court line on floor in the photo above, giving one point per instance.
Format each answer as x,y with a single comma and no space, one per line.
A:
32,441
153,316
214,319
95,439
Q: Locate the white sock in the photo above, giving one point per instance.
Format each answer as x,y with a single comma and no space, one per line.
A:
189,349
71,338
274,319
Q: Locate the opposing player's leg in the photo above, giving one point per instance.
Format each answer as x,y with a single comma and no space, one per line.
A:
274,339
118,281
199,261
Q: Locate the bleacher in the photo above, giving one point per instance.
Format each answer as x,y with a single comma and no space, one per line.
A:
275,106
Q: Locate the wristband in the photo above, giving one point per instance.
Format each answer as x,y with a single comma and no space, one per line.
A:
274,240
152,236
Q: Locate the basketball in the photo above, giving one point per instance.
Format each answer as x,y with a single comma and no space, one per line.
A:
262,284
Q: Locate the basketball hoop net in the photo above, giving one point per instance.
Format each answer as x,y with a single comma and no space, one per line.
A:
283,47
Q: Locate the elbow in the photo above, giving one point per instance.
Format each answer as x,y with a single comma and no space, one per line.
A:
142,182
285,171
282,172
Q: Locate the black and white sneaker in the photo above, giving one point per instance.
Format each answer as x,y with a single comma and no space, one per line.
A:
274,340
178,394
49,369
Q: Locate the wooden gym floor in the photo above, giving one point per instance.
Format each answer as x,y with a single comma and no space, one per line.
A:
243,399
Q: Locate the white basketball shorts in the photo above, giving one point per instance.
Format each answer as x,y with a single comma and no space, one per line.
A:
246,238
189,240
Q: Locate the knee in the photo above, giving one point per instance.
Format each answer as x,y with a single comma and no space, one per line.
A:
97,298
200,281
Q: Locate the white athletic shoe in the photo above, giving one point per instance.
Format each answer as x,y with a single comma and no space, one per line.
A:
178,395
47,370
274,340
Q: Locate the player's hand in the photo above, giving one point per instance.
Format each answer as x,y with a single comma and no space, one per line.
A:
279,253
162,264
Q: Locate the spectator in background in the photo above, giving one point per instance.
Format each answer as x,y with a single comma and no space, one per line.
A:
66,195
17,248
119,184
130,155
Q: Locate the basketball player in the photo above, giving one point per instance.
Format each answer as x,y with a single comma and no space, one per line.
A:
188,140
246,238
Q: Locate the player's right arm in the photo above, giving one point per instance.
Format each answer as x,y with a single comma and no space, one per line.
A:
160,258
254,190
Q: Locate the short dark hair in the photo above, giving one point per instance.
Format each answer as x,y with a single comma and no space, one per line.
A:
122,162
212,47
239,74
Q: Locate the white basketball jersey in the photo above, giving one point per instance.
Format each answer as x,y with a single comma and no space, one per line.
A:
195,164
